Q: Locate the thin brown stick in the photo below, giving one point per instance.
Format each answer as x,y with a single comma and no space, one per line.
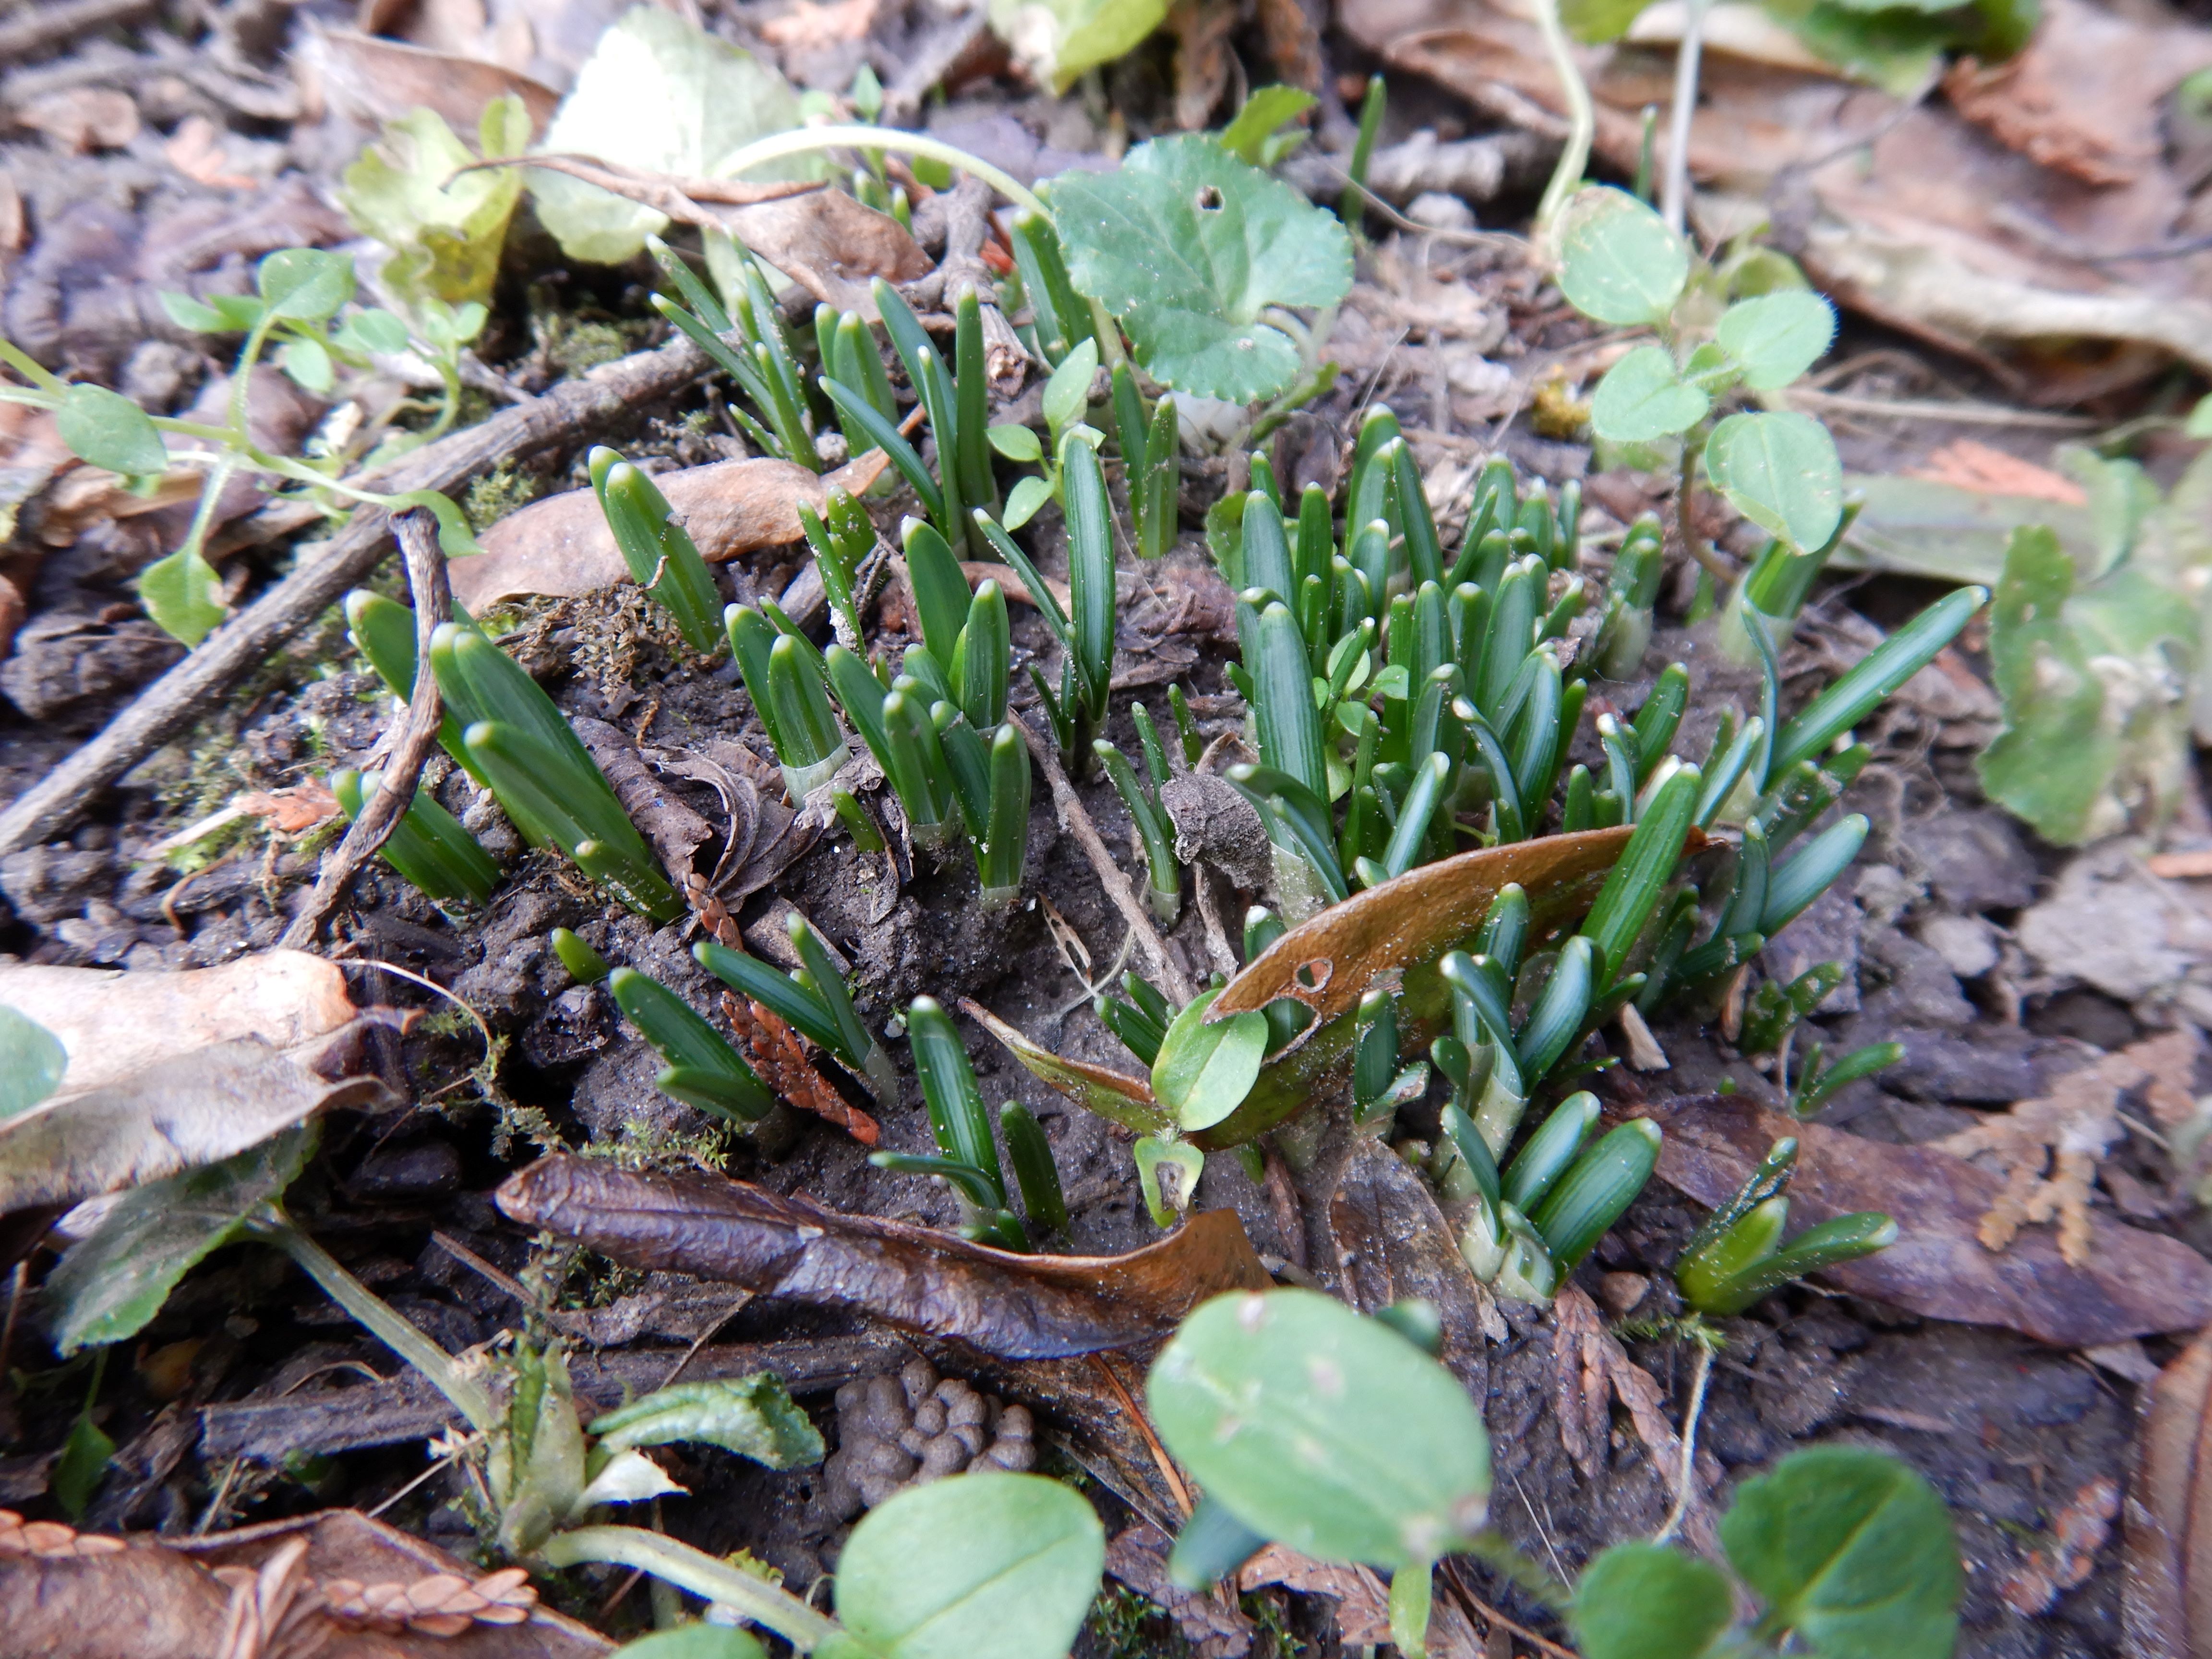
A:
1168,1473
1077,822
1479,1608
395,791
173,703
39,27
1685,521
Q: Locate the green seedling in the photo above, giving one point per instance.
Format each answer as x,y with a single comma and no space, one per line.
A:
521,745
968,1163
1625,634
1771,1014
1060,322
1164,888
812,999
701,1068
842,536
786,679
298,295
752,347
899,728
585,965
1261,134
1819,1079
1738,1256
1150,463
1352,206
661,555
1065,402
383,631
1141,1021
428,846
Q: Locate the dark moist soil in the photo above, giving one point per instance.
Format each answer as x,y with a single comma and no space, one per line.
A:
2007,1430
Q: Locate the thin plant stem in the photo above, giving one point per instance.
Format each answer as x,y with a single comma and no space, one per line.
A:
697,1572
468,1397
1685,522
1685,1480
805,141
1582,123
1674,195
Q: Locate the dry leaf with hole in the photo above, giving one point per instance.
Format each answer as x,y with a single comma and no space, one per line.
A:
560,547
2134,1283
2077,1533
1019,1307
2049,1148
169,1071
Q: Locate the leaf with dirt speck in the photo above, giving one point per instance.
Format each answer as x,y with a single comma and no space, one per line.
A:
1015,1306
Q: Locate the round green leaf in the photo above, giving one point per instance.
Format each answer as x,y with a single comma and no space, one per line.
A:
1204,1071
308,363
109,430
1781,471
304,284
1024,500
1642,398
1067,393
980,1566
1853,1550
1776,336
185,312
693,1642
379,330
1647,1602
1016,443
32,1061
1323,1430
182,595
1618,261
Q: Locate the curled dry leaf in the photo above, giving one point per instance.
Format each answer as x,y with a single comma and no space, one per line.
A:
167,1072
1402,927
378,80
560,547
2049,1148
2132,1284
1015,1306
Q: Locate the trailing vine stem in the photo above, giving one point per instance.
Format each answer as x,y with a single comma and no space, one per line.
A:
1582,124
686,1568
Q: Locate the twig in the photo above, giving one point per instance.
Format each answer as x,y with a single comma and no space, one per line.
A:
44,26
1685,1483
1168,1473
403,769
1490,1615
234,650
1078,822
1965,414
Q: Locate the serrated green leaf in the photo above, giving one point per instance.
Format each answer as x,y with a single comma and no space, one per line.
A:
446,228
751,1416
182,595
1059,40
1188,245
32,1061
1647,1602
112,1283
1023,501
1852,1551
980,1566
107,429
1205,1071
1779,469
1323,1430
1642,398
1618,263
304,284
1264,112
661,95
1776,337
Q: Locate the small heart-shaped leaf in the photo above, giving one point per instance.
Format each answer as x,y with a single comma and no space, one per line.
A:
109,430
1779,469
1776,336
1618,263
1642,398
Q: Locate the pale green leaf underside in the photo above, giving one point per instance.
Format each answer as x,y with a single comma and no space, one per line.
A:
1642,398
1188,245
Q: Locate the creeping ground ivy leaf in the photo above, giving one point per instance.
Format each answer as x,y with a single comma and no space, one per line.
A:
109,430
1775,338
1642,398
1618,263
1188,246
182,595
1779,469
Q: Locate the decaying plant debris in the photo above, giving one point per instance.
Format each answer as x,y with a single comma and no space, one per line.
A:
1319,761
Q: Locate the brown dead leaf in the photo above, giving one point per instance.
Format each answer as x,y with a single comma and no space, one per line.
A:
1971,465
1293,43
195,150
376,81
773,1050
2169,1514
812,28
1391,1242
1363,1600
560,547
1210,1622
1202,30
2076,1534
83,118
289,810
1402,928
1015,1306
2133,1283
2067,1130
336,1582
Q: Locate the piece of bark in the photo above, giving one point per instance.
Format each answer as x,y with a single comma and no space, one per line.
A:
560,547
406,1407
611,392
2133,1283
1014,1305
